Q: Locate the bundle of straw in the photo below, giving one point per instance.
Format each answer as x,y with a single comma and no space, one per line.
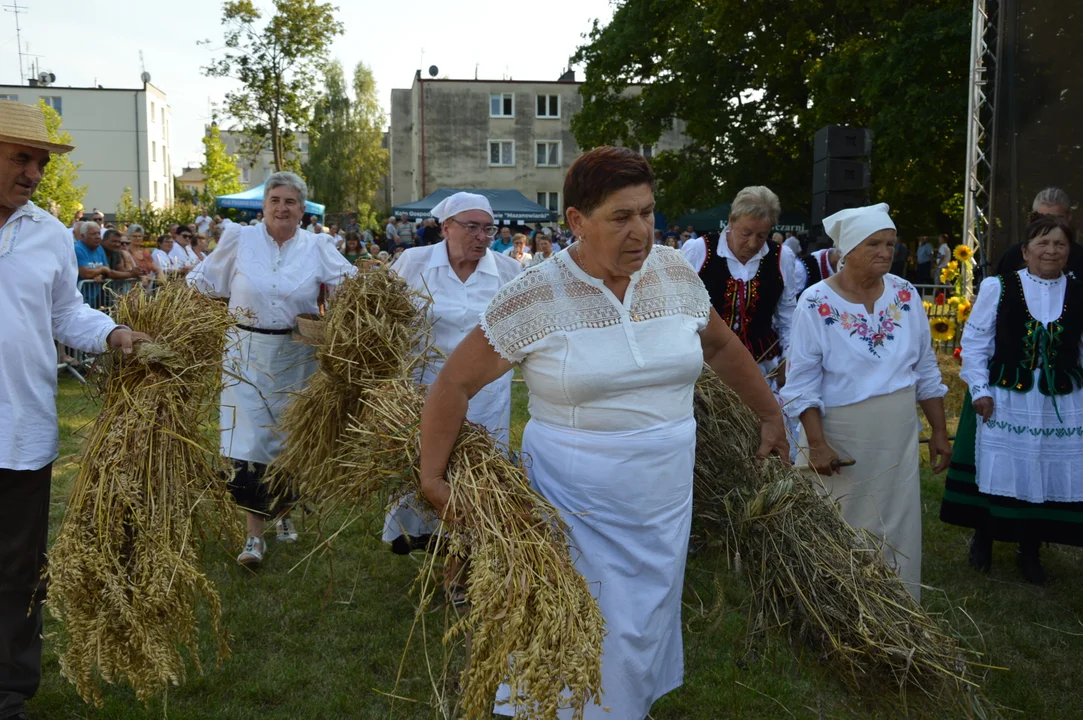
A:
811,574
123,575
533,621
371,331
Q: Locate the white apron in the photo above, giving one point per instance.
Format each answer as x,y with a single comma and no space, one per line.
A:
881,492
261,372
627,500
491,408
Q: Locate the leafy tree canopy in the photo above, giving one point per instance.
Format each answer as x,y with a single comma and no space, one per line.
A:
277,63
754,83
59,190
219,168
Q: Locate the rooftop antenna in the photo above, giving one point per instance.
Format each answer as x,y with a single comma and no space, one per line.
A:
476,70
14,7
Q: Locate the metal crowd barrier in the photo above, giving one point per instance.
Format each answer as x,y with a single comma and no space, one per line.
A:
100,296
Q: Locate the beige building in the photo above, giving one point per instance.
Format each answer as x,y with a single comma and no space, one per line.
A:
500,134
256,168
121,137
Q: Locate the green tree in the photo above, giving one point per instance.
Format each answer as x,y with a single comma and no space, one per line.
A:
154,221
59,188
754,84
277,64
346,159
219,168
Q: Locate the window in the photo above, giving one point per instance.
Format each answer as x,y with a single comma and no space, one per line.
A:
550,200
547,154
153,112
303,145
153,151
13,98
502,105
549,106
646,151
163,124
55,103
501,153
155,191
244,175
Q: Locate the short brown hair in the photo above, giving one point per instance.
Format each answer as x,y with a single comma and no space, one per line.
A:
1040,225
598,173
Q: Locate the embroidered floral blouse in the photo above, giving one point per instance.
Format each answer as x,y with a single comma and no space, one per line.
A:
841,354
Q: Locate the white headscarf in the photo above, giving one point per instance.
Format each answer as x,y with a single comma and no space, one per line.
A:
850,228
460,202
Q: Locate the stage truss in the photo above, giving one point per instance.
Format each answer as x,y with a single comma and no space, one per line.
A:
981,134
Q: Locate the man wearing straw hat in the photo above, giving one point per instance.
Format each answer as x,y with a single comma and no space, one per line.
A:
38,301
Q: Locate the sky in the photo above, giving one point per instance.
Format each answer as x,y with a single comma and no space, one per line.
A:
97,42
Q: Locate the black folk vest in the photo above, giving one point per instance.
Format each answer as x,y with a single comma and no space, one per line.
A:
1024,345
748,308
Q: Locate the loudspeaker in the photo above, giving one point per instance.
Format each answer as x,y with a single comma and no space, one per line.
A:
1037,105
826,204
836,141
833,175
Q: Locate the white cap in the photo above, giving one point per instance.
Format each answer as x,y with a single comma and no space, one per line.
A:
850,228
460,202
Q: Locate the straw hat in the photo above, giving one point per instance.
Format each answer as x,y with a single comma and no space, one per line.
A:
23,124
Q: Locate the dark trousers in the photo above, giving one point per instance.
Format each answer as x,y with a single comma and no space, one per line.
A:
925,276
24,532
252,491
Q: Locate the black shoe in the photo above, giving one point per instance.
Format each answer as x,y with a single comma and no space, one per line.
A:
1030,565
981,551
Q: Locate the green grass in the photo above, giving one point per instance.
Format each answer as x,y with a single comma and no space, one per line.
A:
326,640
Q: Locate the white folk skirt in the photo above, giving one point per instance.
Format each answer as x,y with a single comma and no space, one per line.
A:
627,499
261,371
881,492
1026,452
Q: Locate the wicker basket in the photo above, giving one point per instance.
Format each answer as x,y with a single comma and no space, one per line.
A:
310,328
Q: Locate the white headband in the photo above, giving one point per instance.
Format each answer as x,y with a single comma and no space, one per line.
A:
460,202
850,228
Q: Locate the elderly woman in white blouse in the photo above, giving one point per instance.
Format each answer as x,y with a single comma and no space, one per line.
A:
611,335
461,274
274,271
861,358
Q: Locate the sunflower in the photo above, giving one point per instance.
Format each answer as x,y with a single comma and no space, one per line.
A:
954,302
943,329
963,313
953,266
948,275
928,306
963,253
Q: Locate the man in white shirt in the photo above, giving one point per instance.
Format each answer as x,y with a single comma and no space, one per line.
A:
943,255
391,230
183,256
203,222
38,302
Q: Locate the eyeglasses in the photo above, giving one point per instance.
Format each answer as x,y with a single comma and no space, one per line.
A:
125,244
186,236
474,228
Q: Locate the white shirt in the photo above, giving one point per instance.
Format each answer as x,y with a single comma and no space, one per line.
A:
842,355
183,255
793,244
454,313
1045,302
165,263
597,364
392,232
525,261
275,284
821,258
203,224
943,256
695,252
538,258
38,301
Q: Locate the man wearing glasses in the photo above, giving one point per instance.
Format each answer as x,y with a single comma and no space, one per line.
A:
183,256
461,274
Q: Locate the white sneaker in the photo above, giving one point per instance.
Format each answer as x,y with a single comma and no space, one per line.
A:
252,555
287,532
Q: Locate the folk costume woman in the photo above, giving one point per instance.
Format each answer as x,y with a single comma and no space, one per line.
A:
611,335
462,275
861,358
273,270
1017,471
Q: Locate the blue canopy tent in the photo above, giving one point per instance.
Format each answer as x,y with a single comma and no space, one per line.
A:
252,199
507,205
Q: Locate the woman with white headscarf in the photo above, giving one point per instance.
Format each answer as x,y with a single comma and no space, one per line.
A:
861,357
462,275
